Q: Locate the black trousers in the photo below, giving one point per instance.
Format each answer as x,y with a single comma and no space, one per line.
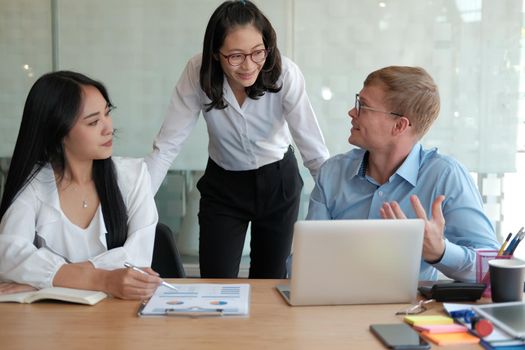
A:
267,197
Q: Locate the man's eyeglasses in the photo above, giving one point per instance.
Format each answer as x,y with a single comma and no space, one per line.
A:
237,59
359,106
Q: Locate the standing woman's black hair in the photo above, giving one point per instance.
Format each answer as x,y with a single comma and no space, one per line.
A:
226,17
50,111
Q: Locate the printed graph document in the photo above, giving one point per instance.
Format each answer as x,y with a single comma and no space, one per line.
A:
199,299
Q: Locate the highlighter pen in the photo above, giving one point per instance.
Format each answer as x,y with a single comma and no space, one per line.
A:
467,315
483,327
192,313
134,268
504,245
479,326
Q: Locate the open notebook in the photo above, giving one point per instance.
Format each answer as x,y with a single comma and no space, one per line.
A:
355,262
79,296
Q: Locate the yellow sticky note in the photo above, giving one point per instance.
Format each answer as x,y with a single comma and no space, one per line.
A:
417,320
451,338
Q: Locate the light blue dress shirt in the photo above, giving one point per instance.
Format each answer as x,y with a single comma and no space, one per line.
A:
344,191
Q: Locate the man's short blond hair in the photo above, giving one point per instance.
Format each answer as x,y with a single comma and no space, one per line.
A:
410,91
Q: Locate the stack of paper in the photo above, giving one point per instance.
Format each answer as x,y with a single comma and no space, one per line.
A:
441,329
498,339
451,338
417,320
199,299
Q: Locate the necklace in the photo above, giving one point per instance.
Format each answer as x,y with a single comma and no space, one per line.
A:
84,198
84,190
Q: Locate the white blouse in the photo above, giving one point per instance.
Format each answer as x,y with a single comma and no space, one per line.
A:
240,137
36,237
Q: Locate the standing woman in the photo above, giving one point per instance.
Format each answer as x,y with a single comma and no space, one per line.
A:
71,215
254,101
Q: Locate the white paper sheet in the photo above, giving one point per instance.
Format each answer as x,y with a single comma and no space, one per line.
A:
199,299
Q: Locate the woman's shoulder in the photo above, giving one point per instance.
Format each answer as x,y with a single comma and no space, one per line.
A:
290,71
40,189
189,80
195,63
43,182
288,65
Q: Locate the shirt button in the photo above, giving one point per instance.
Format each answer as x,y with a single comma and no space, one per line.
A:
380,193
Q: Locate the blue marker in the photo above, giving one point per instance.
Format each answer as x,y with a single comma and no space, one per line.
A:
512,245
466,315
518,241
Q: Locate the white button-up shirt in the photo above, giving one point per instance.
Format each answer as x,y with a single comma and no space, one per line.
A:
36,237
240,137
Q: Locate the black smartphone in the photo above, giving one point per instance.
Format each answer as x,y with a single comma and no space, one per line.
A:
399,336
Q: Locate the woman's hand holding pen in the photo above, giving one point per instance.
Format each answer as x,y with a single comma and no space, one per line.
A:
130,284
120,283
434,241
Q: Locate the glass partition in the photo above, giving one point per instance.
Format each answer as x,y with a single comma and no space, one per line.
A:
473,49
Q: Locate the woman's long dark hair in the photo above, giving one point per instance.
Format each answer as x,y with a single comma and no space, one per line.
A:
226,17
51,110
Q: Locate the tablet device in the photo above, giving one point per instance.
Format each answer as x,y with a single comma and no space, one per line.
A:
510,317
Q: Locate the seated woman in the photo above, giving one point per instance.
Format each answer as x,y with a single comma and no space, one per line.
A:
71,215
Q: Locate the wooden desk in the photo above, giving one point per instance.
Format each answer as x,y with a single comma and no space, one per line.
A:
272,324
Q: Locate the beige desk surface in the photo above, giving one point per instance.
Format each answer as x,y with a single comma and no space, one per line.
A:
272,324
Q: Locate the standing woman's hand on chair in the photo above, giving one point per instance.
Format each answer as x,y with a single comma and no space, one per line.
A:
434,239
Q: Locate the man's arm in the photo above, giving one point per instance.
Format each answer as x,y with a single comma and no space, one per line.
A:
317,208
465,228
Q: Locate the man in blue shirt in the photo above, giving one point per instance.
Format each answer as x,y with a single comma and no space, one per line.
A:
391,176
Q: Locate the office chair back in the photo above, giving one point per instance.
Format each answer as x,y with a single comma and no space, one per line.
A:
166,258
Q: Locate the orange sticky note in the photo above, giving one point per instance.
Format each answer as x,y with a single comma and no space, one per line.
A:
442,328
451,338
427,320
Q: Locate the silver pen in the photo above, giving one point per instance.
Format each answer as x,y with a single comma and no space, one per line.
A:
195,311
134,268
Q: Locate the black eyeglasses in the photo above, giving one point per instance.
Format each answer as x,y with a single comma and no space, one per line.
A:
359,106
110,108
237,59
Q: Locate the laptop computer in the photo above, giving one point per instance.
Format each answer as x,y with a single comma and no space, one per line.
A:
355,262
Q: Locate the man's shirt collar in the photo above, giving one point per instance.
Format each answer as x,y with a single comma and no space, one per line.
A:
409,170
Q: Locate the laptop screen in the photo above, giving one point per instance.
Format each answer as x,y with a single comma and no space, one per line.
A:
356,261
